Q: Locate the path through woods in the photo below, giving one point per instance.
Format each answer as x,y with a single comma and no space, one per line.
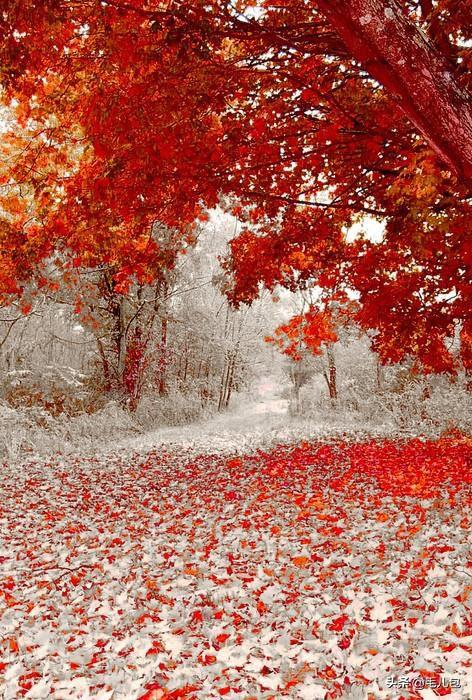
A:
263,414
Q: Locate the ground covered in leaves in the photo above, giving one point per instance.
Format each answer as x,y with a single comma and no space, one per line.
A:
318,570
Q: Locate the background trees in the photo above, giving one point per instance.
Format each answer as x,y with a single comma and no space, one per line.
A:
174,337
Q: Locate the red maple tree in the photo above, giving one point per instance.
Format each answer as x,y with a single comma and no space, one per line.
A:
303,119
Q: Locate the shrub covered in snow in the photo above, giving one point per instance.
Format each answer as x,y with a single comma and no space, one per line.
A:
55,389
34,429
423,406
174,408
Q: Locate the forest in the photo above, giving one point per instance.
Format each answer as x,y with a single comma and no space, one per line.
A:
235,349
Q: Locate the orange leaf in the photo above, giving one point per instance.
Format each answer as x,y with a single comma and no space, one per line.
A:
301,562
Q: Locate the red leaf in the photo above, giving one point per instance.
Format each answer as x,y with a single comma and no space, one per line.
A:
338,623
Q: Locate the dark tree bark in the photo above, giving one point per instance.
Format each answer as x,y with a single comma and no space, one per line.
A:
400,57
184,377
230,382
332,386
224,381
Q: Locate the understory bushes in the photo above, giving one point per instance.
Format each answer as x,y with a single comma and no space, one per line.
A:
63,411
53,409
174,408
56,390
418,407
33,429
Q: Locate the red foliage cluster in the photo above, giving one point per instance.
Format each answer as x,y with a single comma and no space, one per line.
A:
301,119
417,467
304,332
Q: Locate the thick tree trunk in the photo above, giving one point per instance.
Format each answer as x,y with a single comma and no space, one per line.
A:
120,314
426,394
296,387
400,57
468,378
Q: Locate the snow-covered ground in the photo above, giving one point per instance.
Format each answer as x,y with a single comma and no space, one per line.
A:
260,420
239,427
268,398
241,557
323,571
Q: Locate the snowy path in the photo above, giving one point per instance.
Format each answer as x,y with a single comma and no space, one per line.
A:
255,421
263,421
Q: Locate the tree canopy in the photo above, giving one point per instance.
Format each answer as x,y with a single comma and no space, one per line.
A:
303,119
